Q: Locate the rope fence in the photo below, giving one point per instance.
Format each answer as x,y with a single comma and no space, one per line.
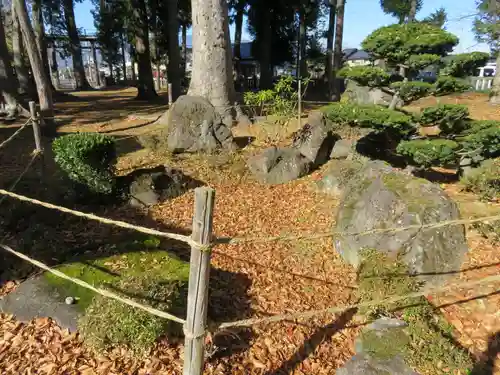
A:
4,143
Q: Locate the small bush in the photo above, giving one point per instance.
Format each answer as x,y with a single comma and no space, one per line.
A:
378,118
427,153
451,118
88,159
108,323
465,64
365,75
447,85
417,62
412,90
482,139
485,180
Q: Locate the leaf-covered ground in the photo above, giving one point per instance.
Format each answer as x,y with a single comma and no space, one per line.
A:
249,280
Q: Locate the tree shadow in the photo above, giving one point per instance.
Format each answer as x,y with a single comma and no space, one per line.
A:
313,341
486,365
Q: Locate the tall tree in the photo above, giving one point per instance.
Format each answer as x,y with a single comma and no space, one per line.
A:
338,55
487,30
39,28
74,43
174,58
140,31
18,57
8,86
437,18
329,48
212,75
403,10
238,7
42,81
185,22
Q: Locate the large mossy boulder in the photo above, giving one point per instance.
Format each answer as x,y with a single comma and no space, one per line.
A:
278,165
379,196
191,125
355,93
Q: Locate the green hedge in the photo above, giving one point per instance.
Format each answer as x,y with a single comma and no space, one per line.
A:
485,140
412,90
451,118
447,85
88,159
427,153
370,116
365,75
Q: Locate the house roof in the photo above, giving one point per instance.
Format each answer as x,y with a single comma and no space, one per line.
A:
356,54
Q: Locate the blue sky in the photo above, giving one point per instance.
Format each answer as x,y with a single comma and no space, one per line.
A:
364,16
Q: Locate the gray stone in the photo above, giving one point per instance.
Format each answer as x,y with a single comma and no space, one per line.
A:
379,350
278,166
368,95
35,298
363,364
337,176
314,142
316,118
191,125
341,149
381,197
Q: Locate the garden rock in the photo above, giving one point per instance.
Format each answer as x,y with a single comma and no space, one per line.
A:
278,165
191,125
355,93
342,149
148,186
314,141
379,350
380,197
337,176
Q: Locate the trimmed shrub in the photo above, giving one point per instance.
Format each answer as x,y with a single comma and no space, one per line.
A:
88,159
485,180
451,118
482,139
108,323
447,85
418,62
378,118
465,64
412,90
427,153
365,75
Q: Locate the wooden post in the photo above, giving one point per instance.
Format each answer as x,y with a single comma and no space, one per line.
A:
194,330
300,103
169,94
35,120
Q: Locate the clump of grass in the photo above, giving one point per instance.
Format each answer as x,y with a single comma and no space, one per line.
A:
108,323
429,347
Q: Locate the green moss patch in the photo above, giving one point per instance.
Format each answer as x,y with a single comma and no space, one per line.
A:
144,273
430,347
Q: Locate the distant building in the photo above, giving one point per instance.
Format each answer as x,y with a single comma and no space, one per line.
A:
357,57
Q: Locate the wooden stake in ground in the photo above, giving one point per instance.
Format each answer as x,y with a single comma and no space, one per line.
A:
199,272
35,120
42,82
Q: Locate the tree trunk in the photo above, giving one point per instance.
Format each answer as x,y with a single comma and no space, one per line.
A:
110,65
75,48
184,49
132,62
266,74
413,11
145,85
124,60
174,57
212,67
238,31
8,84
22,73
42,81
55,71
303,42
39,29
495,88
337,54
329,50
